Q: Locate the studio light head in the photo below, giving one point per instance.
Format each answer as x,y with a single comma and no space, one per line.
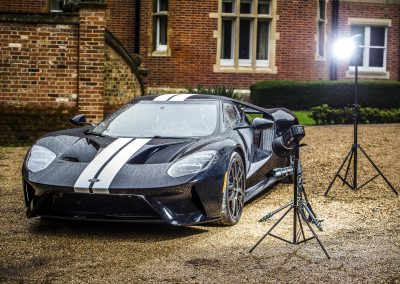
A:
345,48
284,145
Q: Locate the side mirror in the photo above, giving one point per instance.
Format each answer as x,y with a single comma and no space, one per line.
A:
260,123
80,120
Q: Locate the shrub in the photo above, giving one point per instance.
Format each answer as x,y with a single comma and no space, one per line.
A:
216,91
298,95
324,114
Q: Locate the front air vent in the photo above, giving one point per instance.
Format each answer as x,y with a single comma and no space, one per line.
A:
82,151
267,136
97,204
70,159
144,156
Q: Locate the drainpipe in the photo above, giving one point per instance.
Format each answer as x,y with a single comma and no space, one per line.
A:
136,48
335,30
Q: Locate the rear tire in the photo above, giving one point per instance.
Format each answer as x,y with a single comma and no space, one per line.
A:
233,195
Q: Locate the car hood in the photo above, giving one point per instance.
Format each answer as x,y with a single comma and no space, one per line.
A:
78,146
120,162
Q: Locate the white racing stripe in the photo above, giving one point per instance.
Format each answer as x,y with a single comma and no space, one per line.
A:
180,98
82,183
164,97
114,166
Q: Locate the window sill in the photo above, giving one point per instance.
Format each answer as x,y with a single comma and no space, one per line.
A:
244,69
364,74
161,53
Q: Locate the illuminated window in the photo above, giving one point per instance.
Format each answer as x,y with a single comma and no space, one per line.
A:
371,55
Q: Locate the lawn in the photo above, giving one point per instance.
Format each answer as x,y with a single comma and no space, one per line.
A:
304,117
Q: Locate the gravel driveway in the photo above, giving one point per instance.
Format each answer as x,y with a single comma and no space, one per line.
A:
361,231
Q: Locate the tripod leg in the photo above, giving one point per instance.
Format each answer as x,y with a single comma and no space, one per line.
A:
348,169
308,205
319,242
314,220
272,213
295,210
301,228
378,170
273,226
337,173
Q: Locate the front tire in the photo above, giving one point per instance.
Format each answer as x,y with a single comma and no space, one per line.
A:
233,195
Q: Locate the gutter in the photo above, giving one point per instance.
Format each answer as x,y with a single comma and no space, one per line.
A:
335,30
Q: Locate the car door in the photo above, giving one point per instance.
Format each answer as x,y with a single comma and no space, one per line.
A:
232,117
261,149
258,144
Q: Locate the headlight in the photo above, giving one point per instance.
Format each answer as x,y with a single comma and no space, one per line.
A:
192,164
39,158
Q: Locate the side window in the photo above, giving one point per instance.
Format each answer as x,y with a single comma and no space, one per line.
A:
231,116
56,6
321,29
160,25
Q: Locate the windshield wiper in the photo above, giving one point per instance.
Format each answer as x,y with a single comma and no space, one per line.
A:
170,137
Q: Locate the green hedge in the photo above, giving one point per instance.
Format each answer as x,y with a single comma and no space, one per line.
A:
298,95
324,114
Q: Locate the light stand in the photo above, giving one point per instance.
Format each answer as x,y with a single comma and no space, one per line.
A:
300,207
352,156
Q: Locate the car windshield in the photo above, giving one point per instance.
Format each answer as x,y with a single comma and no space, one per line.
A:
161,119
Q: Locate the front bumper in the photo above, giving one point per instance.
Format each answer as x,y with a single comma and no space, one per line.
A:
186,204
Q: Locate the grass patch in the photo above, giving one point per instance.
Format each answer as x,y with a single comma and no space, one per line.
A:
304,117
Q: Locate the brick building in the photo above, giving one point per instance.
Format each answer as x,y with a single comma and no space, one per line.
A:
235,43
90,55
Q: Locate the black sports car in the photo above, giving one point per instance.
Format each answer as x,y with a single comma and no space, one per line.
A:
182,159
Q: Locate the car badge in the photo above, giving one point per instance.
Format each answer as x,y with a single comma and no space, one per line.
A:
94,180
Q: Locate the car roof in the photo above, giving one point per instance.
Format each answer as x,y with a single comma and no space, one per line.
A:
194,97
187,97
199,97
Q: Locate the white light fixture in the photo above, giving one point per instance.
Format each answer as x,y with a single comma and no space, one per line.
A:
344,48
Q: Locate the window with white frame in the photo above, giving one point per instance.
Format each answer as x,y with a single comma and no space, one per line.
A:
321,28
245,33
56,6
160,25
372,47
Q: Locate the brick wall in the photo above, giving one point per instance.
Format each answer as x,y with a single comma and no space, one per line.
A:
38,64
121,85
56,65
121,21
296,47
194,49
91,62
374,11
25,123
46,62
120,16
24,6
